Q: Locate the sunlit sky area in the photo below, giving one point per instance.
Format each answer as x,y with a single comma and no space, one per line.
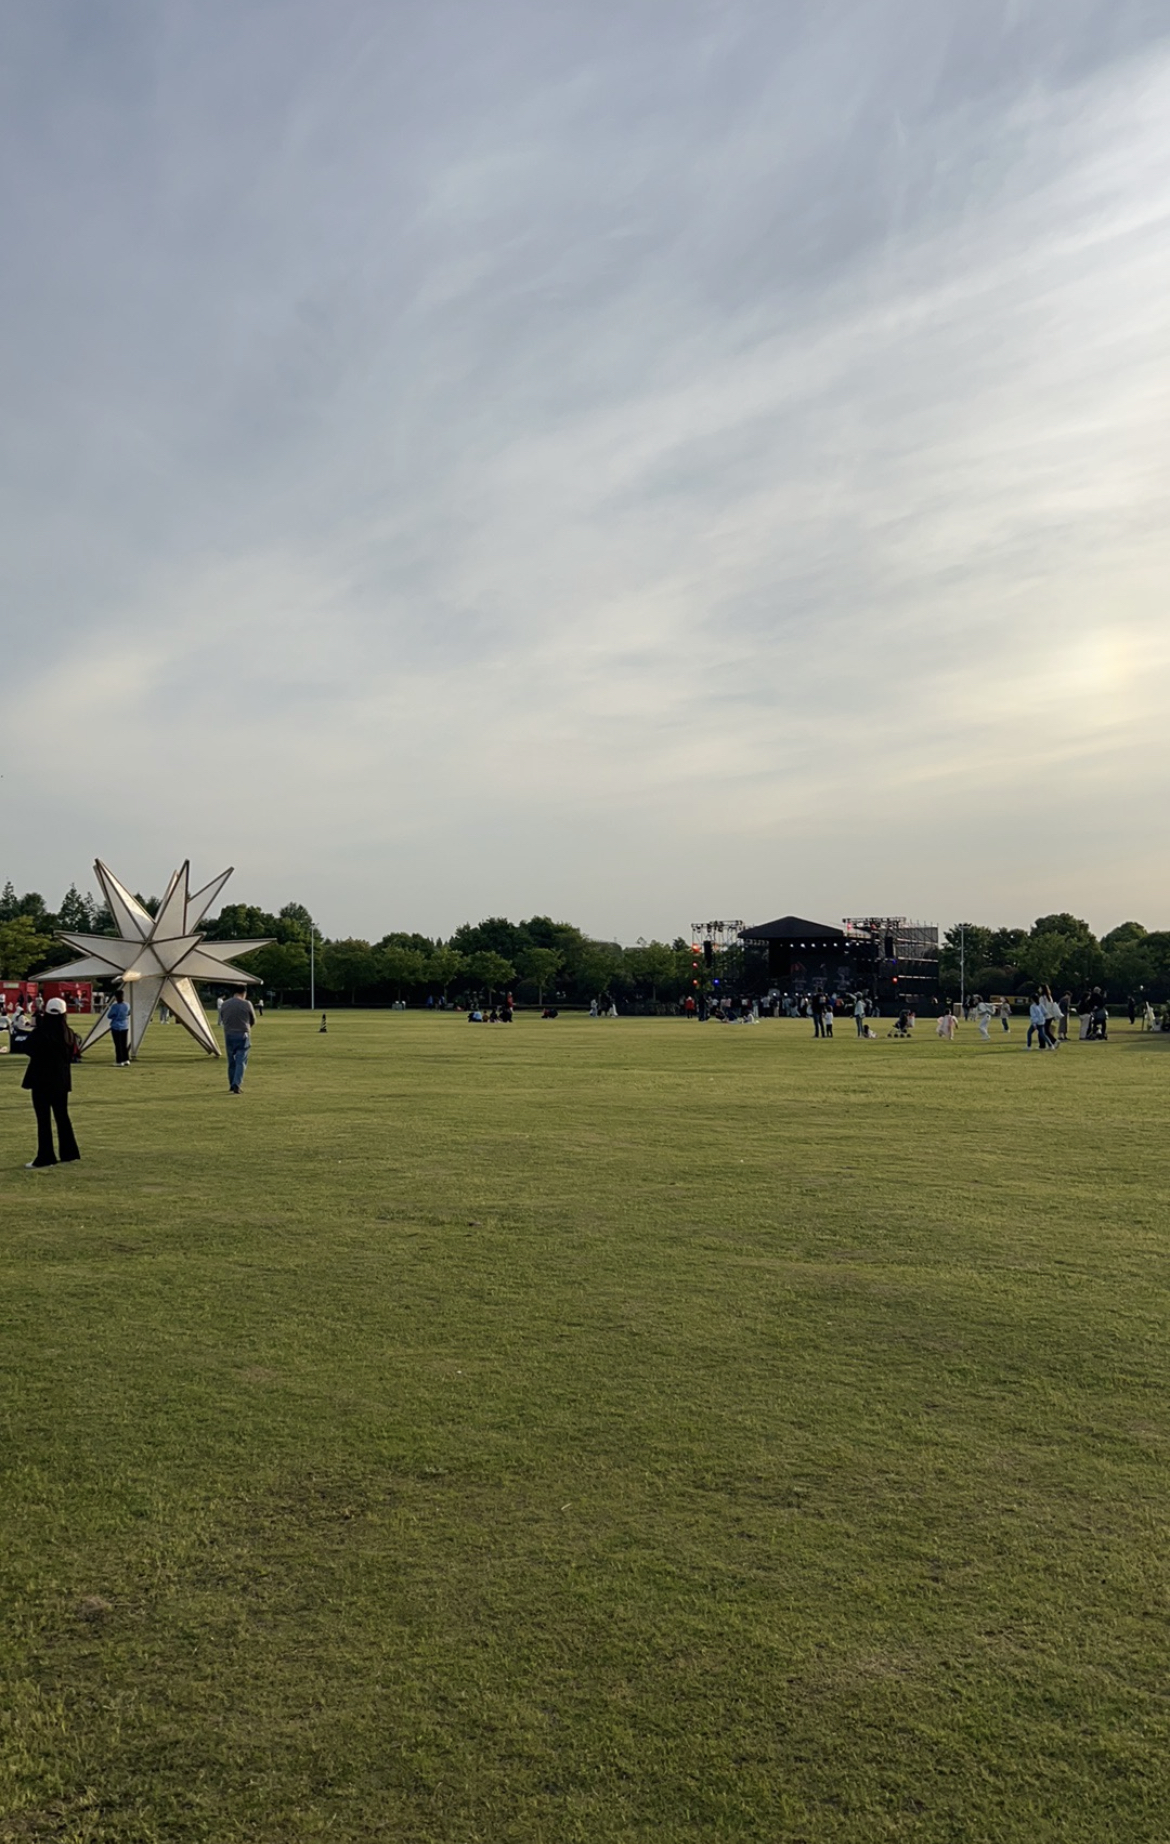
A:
638,461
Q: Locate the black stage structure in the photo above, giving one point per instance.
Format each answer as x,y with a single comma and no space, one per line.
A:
888,958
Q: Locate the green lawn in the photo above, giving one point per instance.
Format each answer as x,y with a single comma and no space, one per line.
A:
590,1431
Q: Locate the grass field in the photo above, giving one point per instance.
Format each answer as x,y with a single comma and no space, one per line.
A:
590,1431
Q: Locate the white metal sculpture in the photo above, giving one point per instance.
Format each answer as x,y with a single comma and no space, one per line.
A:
158,957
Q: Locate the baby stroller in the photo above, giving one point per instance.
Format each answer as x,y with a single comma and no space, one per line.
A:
902,1025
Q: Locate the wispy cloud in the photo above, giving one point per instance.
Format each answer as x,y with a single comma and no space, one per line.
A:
633,463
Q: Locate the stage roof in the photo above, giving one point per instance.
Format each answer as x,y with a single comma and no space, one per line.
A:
793,928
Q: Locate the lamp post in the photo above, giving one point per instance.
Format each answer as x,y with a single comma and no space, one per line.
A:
963,968
312,966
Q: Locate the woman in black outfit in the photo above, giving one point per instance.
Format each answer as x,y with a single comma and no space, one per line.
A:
50,1077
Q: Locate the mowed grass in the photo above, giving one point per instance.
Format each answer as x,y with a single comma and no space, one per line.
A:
590,1431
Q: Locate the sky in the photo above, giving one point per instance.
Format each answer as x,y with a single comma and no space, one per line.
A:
638,461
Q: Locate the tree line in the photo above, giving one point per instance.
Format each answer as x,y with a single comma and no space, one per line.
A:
554,961
1059,951
538,959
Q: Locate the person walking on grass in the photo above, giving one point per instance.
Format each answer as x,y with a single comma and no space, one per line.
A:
49,1077
237,1018
118,1014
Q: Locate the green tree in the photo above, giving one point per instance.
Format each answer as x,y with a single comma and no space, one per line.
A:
294,923
22,947
653,966
988,980
283,967
966,943
495,935
1062,952
1157,945
490,971
349,966
76,911
1130,965
239,922
1042,957
1005,946
1063,924
1124,935
543,932
401,966
541,966
602,968
400,938
444,964
32,905
8,903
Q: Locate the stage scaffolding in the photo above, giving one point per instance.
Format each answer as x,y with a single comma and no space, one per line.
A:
718,952
903,956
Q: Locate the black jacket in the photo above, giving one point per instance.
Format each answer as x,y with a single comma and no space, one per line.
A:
50,1056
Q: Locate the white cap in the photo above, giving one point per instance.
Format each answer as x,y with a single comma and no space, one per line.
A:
55,1005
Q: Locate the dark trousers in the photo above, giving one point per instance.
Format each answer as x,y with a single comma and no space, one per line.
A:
818,1024
121,1045
50,1106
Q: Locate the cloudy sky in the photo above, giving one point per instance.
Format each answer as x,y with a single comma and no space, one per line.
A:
639,460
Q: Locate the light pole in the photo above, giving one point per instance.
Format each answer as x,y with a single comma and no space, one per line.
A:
963,968
312,966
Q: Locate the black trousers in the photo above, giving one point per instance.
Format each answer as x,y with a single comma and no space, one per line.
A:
121,1045
49,1105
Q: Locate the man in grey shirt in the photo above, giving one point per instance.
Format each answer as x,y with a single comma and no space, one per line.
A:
237,1019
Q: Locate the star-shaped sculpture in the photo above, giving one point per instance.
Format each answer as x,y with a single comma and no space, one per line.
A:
158,957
